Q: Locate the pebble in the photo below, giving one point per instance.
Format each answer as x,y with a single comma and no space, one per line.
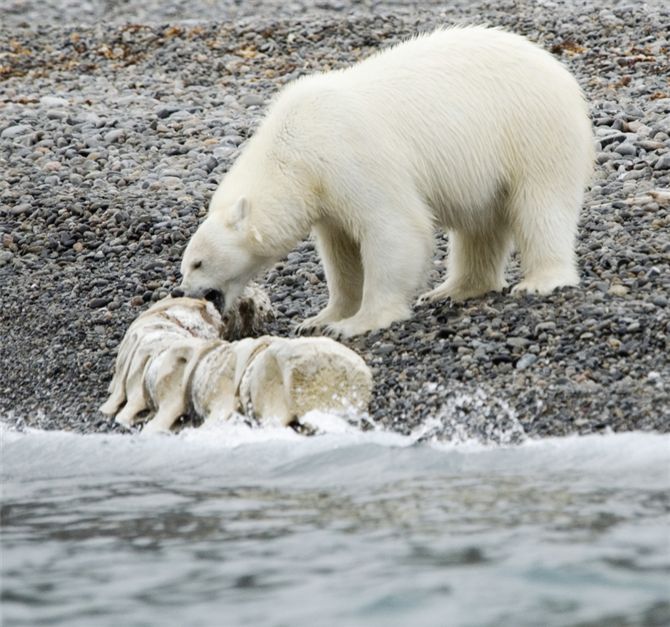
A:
96,303
517,342
626,148
618,290
252,100
53,101
165,111
15,131
663,163
650,146
170,181
116,135
56,114
525,361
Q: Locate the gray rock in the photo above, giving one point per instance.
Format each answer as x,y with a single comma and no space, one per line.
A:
53,101
663,163
650,145
252,100
166,110
626,148
56,114
96,303
171,181
633,175
610,138
526,360
15,131
517,342
114,136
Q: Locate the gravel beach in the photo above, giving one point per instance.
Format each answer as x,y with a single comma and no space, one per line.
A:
117,121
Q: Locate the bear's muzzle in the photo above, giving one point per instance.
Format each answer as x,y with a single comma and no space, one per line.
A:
214,296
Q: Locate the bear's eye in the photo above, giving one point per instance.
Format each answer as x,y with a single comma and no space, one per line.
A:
196,265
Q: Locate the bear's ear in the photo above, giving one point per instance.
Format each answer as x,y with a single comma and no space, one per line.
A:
239,214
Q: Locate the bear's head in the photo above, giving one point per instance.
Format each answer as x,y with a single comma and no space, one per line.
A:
223,255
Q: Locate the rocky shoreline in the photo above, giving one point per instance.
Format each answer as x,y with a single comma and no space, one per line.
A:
114,133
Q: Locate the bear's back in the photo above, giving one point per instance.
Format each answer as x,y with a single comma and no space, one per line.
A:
446,86
458,114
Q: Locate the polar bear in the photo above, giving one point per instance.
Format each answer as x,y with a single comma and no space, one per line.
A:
472,129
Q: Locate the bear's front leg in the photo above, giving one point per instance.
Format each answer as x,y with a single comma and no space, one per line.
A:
341,260
364,322
395,256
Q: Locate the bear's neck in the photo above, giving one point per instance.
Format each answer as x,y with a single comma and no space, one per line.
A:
283,192
282,218
280,227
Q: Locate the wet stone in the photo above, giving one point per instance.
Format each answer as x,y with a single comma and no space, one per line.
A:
525,361
96,303
663,163
14,131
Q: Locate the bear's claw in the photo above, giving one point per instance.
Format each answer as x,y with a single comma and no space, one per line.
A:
306,330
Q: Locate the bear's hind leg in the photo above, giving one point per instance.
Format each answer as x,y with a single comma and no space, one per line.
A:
475,266
545,230
341,259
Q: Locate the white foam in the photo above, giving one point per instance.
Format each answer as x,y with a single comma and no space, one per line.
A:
237,450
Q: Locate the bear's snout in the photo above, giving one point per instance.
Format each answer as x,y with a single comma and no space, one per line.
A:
214,296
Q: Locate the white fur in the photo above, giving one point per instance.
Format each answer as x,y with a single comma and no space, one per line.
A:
474,130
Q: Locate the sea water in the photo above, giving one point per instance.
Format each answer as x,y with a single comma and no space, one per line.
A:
240,526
